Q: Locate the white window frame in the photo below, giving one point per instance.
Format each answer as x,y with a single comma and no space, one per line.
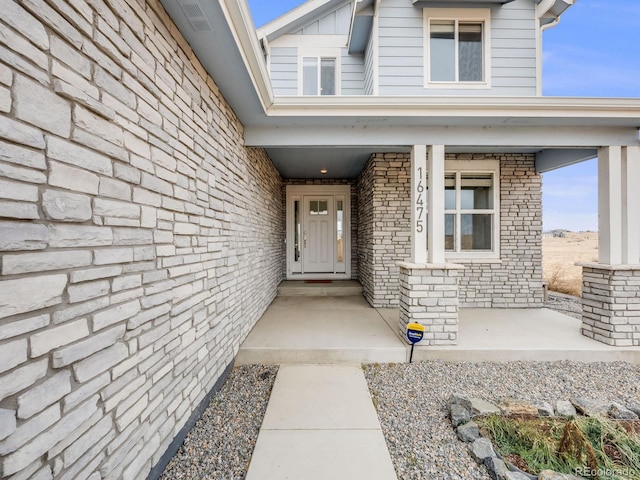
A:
462,167
458,15
319,53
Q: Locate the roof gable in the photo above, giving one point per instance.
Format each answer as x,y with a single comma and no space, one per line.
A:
324,17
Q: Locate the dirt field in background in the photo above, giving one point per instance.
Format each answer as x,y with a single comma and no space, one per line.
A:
559,256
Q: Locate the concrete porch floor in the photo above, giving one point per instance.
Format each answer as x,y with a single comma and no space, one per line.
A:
347,330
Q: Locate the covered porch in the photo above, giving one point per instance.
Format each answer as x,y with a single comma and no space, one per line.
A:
346,329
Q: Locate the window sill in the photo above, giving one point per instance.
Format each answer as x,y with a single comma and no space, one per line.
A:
474,261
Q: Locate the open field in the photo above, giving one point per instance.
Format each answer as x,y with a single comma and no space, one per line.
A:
559,256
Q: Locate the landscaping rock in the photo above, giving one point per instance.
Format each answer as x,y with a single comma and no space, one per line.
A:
516,476
481,449
459,415
468,432
481,407
565,409
476,406
545,409
620,412
459,399
497,468
551,475
635,408
588,407
511,406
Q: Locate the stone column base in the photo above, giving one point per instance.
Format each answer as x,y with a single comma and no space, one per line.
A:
611,303
429,296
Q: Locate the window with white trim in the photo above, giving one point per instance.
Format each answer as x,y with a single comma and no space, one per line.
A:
457,47
472,218
319,75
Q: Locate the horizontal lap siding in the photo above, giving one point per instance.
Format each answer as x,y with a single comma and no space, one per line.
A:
513,51
284,70
352,74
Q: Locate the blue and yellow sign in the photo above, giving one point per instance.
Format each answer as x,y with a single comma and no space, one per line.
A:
415,332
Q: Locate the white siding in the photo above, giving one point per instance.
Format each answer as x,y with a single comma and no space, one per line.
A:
352,73
284,70
368,67
333,23
513,50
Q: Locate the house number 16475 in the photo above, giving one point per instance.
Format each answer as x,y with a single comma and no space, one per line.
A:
419,203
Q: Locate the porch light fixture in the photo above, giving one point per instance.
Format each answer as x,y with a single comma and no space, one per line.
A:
323,171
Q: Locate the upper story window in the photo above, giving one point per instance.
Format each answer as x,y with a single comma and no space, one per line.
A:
319,75
457,48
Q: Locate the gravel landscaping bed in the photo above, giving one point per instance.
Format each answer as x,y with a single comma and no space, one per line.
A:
411,400
221,443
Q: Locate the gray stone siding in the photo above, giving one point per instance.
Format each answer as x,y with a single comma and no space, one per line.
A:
354,216
514,280
385,218
134,226
611,304
429,296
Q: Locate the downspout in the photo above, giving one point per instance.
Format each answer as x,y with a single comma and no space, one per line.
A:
542,9
353,18
376,53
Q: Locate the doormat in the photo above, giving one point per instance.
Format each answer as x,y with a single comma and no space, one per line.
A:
317,281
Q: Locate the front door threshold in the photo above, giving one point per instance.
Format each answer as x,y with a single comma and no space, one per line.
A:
318,276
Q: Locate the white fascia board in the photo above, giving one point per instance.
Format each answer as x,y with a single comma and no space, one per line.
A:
481,106
390,134
241,25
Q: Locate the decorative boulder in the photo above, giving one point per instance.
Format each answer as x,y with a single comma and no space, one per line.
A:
590,408
459,415
565,409
481,449
497,468
468,432
620,412
545,409
511,406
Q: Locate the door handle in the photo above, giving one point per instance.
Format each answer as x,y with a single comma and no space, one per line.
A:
304,238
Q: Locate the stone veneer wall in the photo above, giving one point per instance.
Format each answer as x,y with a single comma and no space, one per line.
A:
610,304
354,216
130,270
384,204
384,222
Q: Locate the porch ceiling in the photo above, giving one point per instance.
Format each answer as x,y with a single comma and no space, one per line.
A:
347,163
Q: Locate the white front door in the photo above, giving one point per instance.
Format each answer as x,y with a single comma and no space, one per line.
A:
318,233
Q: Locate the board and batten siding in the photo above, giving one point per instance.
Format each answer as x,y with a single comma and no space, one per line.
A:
336,22
402,43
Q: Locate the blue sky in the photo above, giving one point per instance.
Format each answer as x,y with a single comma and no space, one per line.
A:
593,52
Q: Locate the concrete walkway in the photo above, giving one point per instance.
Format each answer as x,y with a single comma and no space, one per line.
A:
320,424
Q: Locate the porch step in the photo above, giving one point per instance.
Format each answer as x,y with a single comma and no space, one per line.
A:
321,330
335,288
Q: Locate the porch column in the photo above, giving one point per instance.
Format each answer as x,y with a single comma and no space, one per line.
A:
429,285
419,204
611,287
436,204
